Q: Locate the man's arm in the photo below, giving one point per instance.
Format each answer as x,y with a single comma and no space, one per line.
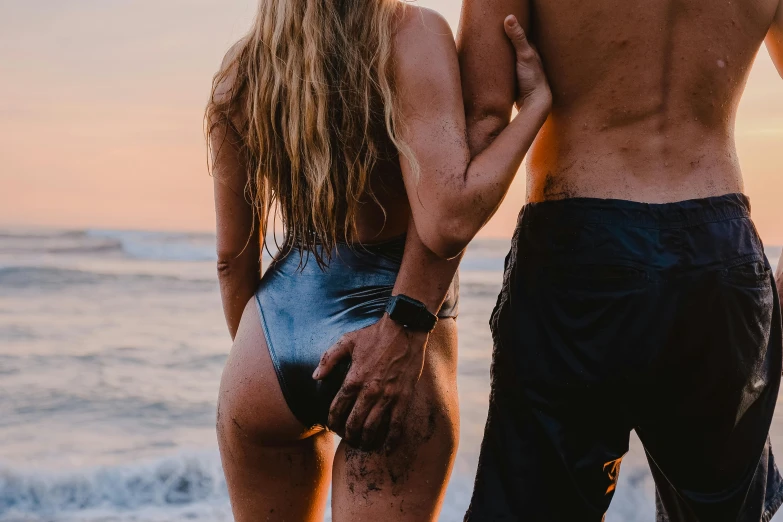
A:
487,62
775,39
779,276
774,43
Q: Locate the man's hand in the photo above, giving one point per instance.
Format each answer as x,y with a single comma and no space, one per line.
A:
386,363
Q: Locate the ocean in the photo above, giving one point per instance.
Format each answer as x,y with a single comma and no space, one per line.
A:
111,349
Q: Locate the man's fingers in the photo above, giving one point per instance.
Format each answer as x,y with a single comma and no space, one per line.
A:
361,409
518,38
342,406
332,356
397,424
377,425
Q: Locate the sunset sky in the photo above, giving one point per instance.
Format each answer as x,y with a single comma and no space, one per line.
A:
101,107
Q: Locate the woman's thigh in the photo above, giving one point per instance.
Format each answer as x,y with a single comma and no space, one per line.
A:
409,483
275,468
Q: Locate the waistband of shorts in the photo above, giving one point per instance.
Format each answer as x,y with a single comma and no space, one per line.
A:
679,214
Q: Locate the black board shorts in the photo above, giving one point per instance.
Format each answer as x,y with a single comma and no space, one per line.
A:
618,316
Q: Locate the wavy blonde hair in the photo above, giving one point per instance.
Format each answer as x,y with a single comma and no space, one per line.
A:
314,87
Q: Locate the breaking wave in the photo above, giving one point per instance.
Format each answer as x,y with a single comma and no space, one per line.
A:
169,482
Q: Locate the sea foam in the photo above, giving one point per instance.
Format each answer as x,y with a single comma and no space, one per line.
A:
183,479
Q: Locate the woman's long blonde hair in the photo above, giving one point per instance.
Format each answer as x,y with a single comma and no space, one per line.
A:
313,84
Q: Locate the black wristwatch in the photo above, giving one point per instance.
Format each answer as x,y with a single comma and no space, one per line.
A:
411,314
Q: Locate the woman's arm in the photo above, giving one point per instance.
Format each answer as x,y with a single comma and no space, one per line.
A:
452,197
238,229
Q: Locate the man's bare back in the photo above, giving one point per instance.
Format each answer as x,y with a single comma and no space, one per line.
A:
645,93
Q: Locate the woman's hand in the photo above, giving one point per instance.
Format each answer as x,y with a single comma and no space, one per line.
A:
531,79
386,363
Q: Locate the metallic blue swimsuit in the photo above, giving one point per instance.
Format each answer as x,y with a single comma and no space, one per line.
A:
305,309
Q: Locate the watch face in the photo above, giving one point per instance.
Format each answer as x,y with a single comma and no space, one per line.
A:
411,314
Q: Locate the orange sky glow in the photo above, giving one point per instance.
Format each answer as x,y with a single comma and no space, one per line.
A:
101,116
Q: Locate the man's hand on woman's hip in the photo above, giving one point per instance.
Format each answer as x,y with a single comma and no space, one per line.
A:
387,360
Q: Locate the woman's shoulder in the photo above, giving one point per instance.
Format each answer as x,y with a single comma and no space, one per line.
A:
418,25
425,52
225,99
226,77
